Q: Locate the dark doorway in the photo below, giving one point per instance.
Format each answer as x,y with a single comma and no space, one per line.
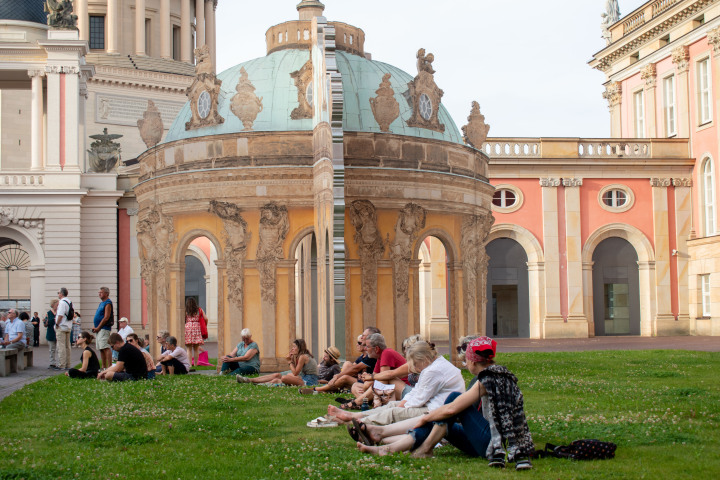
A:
616,292
508,313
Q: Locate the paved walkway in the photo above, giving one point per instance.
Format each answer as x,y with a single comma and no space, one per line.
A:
39,371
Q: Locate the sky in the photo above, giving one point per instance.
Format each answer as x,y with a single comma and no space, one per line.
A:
524,62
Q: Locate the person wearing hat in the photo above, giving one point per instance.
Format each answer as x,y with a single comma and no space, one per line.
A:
329,367
244,359
488,420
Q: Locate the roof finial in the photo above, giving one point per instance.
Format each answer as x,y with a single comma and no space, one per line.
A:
310,9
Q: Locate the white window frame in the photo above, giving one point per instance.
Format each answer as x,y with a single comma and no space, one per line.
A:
703,75
708,198
639,113
705,294
629,198
669,106
519,199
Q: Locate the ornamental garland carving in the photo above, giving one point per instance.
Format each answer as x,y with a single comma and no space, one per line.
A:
151,125
370,249
649,74
245,104
303,79
384,106
9,216
613,94
156,234
236,239
681,58
204,93
473,232
476,130
274,226
410,221
424,95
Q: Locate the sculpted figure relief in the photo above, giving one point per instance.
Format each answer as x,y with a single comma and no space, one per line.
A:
370,248
424,95
410,221
236,240
384,107
60,14
476,131
204,93
245,104
274,226
156,233
303,82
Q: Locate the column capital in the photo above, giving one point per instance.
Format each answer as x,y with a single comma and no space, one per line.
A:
36,73
681,58
549,182
613,94
572,182
682,182
660,182
713,38
649,74
72,70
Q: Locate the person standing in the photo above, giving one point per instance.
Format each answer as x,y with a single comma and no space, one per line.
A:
63,326
36,332
193,333
49,323
15,335
102,322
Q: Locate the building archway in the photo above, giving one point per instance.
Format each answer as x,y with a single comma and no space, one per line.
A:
201,280
508,310
33,279
306,289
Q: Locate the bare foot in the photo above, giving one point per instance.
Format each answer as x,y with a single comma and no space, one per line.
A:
422,454
381,451
373,431
340,414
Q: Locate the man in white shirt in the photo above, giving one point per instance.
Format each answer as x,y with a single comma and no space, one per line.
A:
14,332
125,328
63,328
175,360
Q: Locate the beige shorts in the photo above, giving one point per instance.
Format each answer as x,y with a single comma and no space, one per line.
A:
102,339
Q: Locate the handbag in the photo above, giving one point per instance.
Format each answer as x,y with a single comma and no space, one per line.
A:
203,325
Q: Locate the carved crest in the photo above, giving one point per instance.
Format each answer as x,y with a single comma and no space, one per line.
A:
245,104
60,14
151,125
204,93
303,82
274,226
104,154
384,107
476,131
424,95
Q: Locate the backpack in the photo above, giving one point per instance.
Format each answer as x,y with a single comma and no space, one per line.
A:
581,450
71,311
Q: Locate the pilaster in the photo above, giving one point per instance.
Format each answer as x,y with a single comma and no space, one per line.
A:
185,32
573,243
663,281
681,59
683,225
649,75
113,25
36,121
199,23
551,242
210,33
165,30
613,94
140,41
83,21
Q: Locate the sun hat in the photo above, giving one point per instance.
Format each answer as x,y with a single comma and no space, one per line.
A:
333,352
479,345
124,319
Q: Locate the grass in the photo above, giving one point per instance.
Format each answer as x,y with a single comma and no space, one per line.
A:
662,408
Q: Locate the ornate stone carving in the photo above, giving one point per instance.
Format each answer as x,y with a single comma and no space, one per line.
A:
274,225
370,249
60,14
9,216
384,107
104,154
649,74
237,237
132,212
613,94
151,125
549,182
156,234
425,95
682,182
204,93
660,182
713,38
473,232
681,58
410,221
572,182
476,131
303,81
245,104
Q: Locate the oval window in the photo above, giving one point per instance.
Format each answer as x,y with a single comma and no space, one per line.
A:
504,198
615,198
204,104
426,107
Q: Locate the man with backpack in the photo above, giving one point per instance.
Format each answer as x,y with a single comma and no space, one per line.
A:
63,327
103,323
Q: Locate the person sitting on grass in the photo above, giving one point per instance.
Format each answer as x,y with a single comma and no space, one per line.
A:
303,369
244,359
500,430
175,361
138,343
162,340
90,363
130,364
329,367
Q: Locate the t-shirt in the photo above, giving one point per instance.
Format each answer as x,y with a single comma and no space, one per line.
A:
370,362
389,358
100,314
133,360
62,311
181,356
255,360
15,328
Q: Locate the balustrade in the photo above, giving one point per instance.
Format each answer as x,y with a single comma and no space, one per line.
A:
579,148
634,22
659,6
21,180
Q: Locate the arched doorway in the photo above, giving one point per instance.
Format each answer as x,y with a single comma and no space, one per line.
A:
434,304
616,291
306,293
201,280
508,313
14,276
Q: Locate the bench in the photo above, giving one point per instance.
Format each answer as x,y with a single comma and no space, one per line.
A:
8,361
26,359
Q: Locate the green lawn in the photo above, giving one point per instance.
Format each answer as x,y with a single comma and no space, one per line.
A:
662,408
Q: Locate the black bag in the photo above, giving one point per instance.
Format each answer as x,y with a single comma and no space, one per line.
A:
582,450
71,311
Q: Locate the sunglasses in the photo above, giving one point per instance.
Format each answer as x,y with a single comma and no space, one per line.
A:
360,343
462,348
130,340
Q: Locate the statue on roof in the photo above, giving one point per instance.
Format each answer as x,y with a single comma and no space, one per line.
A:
60,14
610,16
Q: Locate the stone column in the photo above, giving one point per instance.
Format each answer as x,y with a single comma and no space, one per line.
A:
683,225
52,161
165,30
663,282
552,254
185,32
648,307
199,23
36,122
72,117
587,272
210,37
649,74
113,24
536,307
613,94
140,27
681,59
573,243
83,22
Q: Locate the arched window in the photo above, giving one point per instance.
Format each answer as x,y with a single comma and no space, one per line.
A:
708,183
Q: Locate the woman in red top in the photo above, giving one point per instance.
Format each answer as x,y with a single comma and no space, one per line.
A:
193,333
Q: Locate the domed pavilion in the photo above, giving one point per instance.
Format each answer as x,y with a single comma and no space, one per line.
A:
316,173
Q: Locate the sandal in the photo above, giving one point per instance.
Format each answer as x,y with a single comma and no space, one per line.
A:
353,432
342,400
363,436
322,422
351,405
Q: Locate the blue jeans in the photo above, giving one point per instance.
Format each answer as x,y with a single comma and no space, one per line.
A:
468,430
238,368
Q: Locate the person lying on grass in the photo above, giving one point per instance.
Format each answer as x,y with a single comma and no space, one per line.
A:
500,430
303,369
176,360
90,363
130,365
438,379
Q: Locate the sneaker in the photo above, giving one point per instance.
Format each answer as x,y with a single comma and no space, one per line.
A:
497,461
241,379
523,464
307,391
